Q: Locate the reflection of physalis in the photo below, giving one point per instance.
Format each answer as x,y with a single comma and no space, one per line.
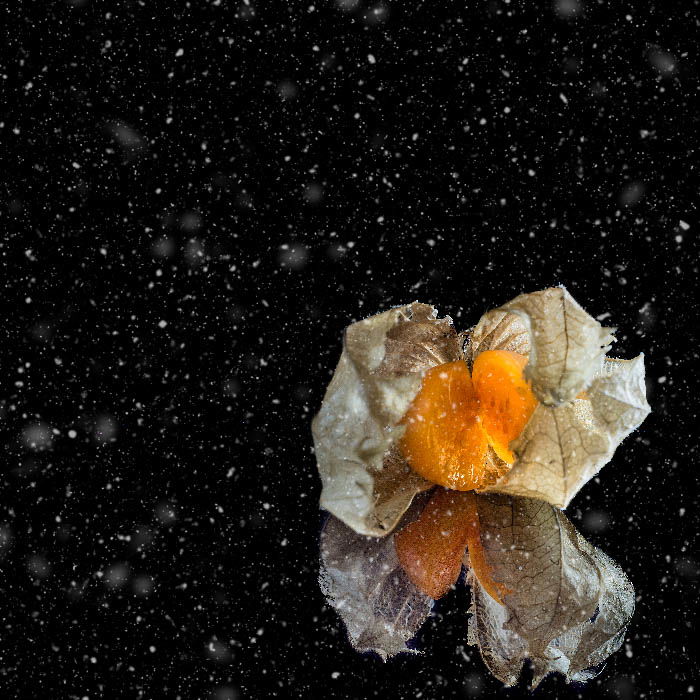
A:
431,443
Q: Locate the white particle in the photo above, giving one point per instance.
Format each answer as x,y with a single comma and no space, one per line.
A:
72,434
684,225
563,98
76,165
180,52
335,674
371,58
162,324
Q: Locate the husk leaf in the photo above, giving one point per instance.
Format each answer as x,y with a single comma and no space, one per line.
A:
366,483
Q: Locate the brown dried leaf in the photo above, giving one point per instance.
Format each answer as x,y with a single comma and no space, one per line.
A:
362,579
563,447
567,345
366,484
557,582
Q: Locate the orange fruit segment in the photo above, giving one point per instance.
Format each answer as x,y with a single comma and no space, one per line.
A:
506,401
431,549
444,441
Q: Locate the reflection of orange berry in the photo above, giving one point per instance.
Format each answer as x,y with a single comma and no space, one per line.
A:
444,441
506,401
431,548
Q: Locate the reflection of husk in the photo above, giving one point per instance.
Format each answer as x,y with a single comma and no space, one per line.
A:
362,579
366,484
568,604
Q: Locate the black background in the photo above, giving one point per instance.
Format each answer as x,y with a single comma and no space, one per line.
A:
198,197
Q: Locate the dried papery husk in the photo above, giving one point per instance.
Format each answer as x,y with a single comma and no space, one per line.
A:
563,447
363,581
498,330
556,583
566,345
366,483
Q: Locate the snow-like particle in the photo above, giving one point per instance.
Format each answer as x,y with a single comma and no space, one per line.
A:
37,436
105,429
218,651
166,513
116,576
293,256
568,9
39,566
663,62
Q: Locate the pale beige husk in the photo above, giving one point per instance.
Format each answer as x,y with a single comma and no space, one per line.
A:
366,483
566,345
567,604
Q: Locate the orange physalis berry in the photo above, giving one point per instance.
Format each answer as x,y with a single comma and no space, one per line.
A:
506,401
455,416
444,441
